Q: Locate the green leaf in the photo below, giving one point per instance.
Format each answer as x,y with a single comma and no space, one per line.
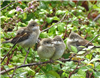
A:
56,18
72,3
96,74
65,3
40,76
4,76
52,31
20,16
80,7
24,15
81,72
54,74
89,56
29,71
44,11
3,18
49,19
98,67
60,62
65,68
59,12
94,59
15,58
68,65
75,22
84,68
61,27
43,35
77,76
81,52
19,23
74,49
43,5
6,67
12,12
46,0
48,67
64,75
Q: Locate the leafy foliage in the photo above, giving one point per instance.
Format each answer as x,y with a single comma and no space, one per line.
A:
47,13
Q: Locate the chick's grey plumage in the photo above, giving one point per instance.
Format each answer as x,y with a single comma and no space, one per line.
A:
59,47
77,41
26,36
46,48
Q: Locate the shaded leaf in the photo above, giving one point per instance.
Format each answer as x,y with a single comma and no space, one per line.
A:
81,52
54,74
94,59
74,49
49,19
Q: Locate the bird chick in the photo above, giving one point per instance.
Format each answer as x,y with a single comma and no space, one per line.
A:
76,40
46,48
59,47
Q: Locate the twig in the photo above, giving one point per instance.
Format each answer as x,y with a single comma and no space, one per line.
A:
31,64
73,70
54,24
7,53
7,5
87,52
92,39
9,50
90,74
96,47
7,73
96,18
14,71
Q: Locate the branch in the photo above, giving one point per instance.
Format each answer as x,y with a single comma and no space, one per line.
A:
96,18
14,71
7,53
54,24
9,50
7,5
32,64
96,47
73,70
92,39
